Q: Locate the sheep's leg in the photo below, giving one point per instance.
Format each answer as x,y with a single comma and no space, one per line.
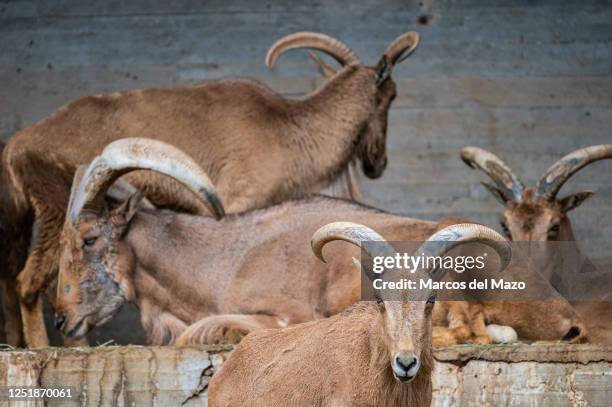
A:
228,328
33,323
479,329
39,270
31,302
46,188
10,311
443,336
458,330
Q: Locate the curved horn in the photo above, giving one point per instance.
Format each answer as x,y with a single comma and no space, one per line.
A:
119,191
452,236
553,179
402,47
76,183
129,154
321,42
508,183
349,232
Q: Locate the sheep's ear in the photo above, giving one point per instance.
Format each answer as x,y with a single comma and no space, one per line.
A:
123,214
496,192
573,201
383,70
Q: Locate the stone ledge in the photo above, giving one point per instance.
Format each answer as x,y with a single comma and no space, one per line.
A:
513,375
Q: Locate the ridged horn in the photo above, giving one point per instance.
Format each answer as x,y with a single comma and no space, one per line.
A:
402,47
452,236
553,179
503,177
311,40
354,233
119,191
130,154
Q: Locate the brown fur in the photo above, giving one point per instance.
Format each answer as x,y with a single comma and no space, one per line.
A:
539,219
257,147
193,267
340,361
14,243
548,319
598,318
533,218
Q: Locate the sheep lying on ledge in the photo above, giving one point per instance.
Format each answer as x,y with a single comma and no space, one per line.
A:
537,214
372,354
199,280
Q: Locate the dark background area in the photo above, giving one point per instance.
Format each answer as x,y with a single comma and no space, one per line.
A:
528,80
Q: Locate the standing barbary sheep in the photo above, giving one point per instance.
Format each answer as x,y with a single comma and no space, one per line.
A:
245,272
536,214
369,355
258,147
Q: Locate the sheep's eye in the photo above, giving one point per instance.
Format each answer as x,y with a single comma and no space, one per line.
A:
431,299
89,241
554,228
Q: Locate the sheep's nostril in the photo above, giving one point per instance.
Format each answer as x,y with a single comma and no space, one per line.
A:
59,320
573,333
406,363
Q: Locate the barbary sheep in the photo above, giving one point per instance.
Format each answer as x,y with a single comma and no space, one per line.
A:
369,355
258,147
537,215
222,278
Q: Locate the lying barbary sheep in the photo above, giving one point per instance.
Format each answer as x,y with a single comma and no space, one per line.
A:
258,147
245,272
536,214
369,355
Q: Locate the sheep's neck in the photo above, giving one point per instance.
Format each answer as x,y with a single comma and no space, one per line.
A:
164,279
329,124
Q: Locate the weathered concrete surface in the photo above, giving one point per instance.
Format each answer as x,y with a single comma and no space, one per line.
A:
115,376
523,375
516,375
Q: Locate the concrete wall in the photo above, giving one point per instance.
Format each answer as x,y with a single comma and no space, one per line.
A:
529,80
514,375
